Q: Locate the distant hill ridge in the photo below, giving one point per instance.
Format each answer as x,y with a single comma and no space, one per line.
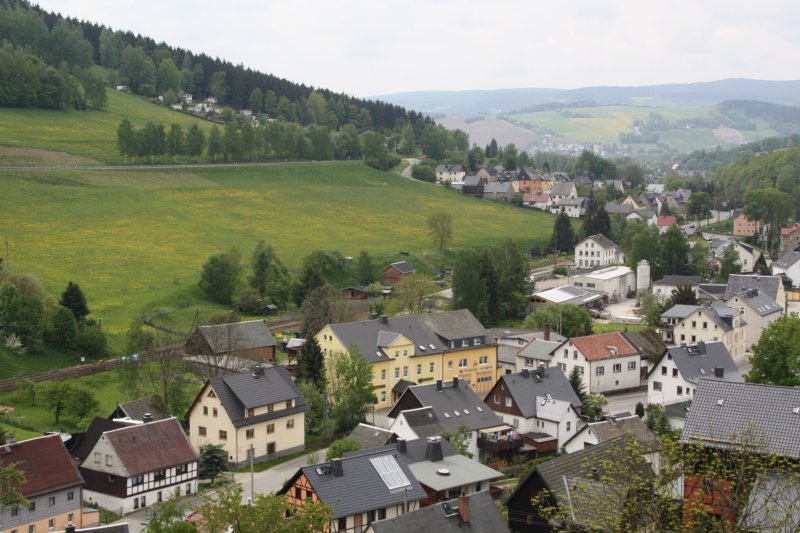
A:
675,94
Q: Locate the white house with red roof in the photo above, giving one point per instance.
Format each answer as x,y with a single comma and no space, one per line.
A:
664,222
607,362
133,467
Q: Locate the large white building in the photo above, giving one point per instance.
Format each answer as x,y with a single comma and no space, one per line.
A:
598,251
691,324
615,281
607,362
757,311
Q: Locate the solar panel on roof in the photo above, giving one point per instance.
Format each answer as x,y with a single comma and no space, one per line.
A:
391,473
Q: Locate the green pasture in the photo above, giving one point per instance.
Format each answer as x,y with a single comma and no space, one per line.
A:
135,240
85,133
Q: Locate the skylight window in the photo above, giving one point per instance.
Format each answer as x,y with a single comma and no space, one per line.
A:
479,408
466,411
446,415
432,346
456,413
421,347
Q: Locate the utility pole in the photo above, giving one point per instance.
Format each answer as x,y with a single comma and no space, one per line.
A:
252,483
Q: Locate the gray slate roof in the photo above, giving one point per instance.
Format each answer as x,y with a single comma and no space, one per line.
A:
740,282
601,240
238,335
524,389
241,391
360,488
136,409
722,409
612,208
444,403
498,187
403,266
562,188
566,202
370,436
630,425
678,281
484,517
699,361
679,311
789,258
424,422
540,348
759,302
430,330
472,181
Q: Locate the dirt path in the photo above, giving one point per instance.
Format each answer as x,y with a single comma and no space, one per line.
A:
728,135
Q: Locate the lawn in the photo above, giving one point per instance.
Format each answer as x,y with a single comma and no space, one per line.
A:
85,133
135,240
606,328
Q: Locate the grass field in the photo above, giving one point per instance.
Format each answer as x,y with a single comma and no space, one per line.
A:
90,134
135,240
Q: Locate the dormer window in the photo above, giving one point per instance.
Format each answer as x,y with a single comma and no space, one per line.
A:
249,412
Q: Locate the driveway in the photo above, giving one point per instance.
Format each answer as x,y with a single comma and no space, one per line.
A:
272,480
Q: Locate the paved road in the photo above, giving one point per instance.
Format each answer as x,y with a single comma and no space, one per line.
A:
716,216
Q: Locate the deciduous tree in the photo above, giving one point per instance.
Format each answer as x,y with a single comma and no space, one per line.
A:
339,447
350,379
219,277
776,356
568,320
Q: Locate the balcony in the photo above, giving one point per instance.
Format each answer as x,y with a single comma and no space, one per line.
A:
498,444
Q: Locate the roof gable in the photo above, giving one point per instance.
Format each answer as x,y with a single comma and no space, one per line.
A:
45,462
237,336
452,406
527,387
701,359
603,346
153,446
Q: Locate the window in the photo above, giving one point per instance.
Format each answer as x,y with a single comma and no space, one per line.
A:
51,524
136,503
600,370
108,460
663,371
462,363
205,410
569,424
484,360
405,371
250,434
161,475
70,518
14,511
250,412
181,469
32,528
674,372
449,365
617,367
97,457
484,379
70,495
580,369
270,408
214,411
705,325
370,517
430,368
566,353
496,398
656,385
381,514
298,493
270,428
343,524
575,354
508,402
188,488
290,423
289,404
383,374
631,365
683,337
396,372
159,498
383,396
694,323
223,435
478,341
31,506
419,369
680,391
201,430
144,503
563,367
396,354
137,480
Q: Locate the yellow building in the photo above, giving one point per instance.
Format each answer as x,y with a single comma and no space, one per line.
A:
410,350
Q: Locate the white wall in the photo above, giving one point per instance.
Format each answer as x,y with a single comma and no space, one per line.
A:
609,381
666,374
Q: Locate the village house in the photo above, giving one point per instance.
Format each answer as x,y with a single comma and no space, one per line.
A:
668,285
788,265
744,227
596,433
473,186
360,488
790,237
426,410
608,362
138,465
572,207
571,484
714,322
52,485
499,191
760,420
251,340
598,251
539,401
757,311
414,349
259,414
537,201
489,173
537,352
475,512
454,174
616,208
747,255
516,346
396,271
675,377
664,222
567,294
771,286
617,282
137,410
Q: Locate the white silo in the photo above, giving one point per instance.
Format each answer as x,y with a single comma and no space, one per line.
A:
642,276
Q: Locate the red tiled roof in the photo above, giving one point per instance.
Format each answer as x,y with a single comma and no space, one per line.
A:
667,220
46,463
530,197
787,231
147,447
595,347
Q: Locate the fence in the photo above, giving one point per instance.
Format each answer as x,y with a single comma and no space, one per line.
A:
64,373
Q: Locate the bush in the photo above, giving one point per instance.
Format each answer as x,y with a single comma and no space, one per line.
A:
560,271
91,342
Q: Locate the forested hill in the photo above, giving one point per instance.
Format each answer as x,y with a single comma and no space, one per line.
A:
50,47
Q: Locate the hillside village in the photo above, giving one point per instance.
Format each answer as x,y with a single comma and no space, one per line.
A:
602,345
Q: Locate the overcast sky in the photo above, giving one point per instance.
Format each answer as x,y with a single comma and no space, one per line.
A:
375,47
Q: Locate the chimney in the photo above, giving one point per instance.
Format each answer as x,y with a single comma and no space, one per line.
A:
433,452
147,418
547,332
384,319
258,372
439,385
701,347
69,528
455,382
400,444
719,372
463,509
336,468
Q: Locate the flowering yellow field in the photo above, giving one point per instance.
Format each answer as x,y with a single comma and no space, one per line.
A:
135,239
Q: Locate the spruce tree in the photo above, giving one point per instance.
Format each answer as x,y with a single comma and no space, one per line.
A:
311,364
74,300
576,382
563,237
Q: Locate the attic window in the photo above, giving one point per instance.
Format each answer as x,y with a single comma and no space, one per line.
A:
796,410
721,402
211,394
456,413
479,408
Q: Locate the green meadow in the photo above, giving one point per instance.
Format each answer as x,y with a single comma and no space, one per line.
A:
135,240
91,134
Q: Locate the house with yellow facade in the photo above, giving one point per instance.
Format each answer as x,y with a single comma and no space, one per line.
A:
410,350
259,414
